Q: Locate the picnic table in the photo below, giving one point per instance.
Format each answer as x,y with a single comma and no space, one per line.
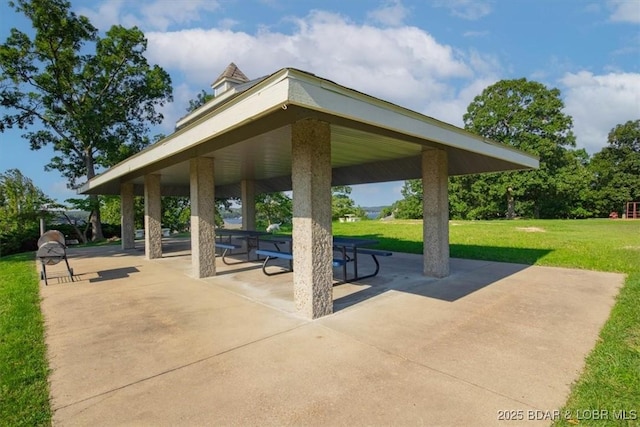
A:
348,249
250,237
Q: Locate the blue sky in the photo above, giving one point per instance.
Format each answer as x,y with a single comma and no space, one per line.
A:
432,56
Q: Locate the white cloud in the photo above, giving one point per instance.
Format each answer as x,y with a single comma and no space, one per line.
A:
598,103
404,65
107,14
392,14
150,15
470,10
625,11
160,14
451,110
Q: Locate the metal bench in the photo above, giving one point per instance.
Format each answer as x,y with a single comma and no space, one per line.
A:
228,247
374,253
284,255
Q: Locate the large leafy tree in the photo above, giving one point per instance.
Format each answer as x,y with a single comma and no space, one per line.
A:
176,212
21,201
93,97
273,208
410,206
529,116
342,204
616,169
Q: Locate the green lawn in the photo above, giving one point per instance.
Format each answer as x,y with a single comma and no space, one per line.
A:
24,391
611,380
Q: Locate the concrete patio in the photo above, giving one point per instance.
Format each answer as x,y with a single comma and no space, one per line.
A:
141,342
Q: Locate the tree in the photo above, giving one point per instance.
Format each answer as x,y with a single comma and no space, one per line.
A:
273,208
21,207
342,204
202,98
410,206
94,97
616,169
528,116
176,212
21,201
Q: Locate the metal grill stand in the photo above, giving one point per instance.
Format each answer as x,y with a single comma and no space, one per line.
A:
52,250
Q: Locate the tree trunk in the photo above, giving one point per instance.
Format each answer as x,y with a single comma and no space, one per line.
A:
81,235
511,210
96,225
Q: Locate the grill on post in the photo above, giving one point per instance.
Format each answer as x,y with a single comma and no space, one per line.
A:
52,250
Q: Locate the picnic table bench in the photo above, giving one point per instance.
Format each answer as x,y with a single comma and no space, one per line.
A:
349,249
228,247
253,240
270,255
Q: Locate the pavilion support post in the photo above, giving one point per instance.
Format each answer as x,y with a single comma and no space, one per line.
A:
248,189
127,217
312,239
435,213
248,196
152,217
203,217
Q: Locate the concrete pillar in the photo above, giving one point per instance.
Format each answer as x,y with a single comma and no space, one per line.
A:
248,188
152,217
435,203
312,239
203,217
127,216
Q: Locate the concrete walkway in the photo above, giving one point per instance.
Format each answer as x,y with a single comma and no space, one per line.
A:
136,342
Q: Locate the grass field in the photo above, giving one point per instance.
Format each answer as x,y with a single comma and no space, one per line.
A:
611,380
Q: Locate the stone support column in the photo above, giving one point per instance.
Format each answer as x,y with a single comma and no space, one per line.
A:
203,244
312,238
248,188
127,216
435,204
152,217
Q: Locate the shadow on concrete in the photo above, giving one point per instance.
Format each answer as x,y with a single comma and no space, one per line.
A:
249,266
116,273
471,268
467,276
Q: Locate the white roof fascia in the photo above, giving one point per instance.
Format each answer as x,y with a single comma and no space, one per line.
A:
312,92
267,96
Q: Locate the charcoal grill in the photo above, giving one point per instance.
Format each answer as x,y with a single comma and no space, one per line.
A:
51,250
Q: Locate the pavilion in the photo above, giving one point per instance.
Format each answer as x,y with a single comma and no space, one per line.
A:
293,130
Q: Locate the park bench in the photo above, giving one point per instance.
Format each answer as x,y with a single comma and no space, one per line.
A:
374,253
271,255
228,248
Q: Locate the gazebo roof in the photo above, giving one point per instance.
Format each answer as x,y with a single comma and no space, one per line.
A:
248,133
